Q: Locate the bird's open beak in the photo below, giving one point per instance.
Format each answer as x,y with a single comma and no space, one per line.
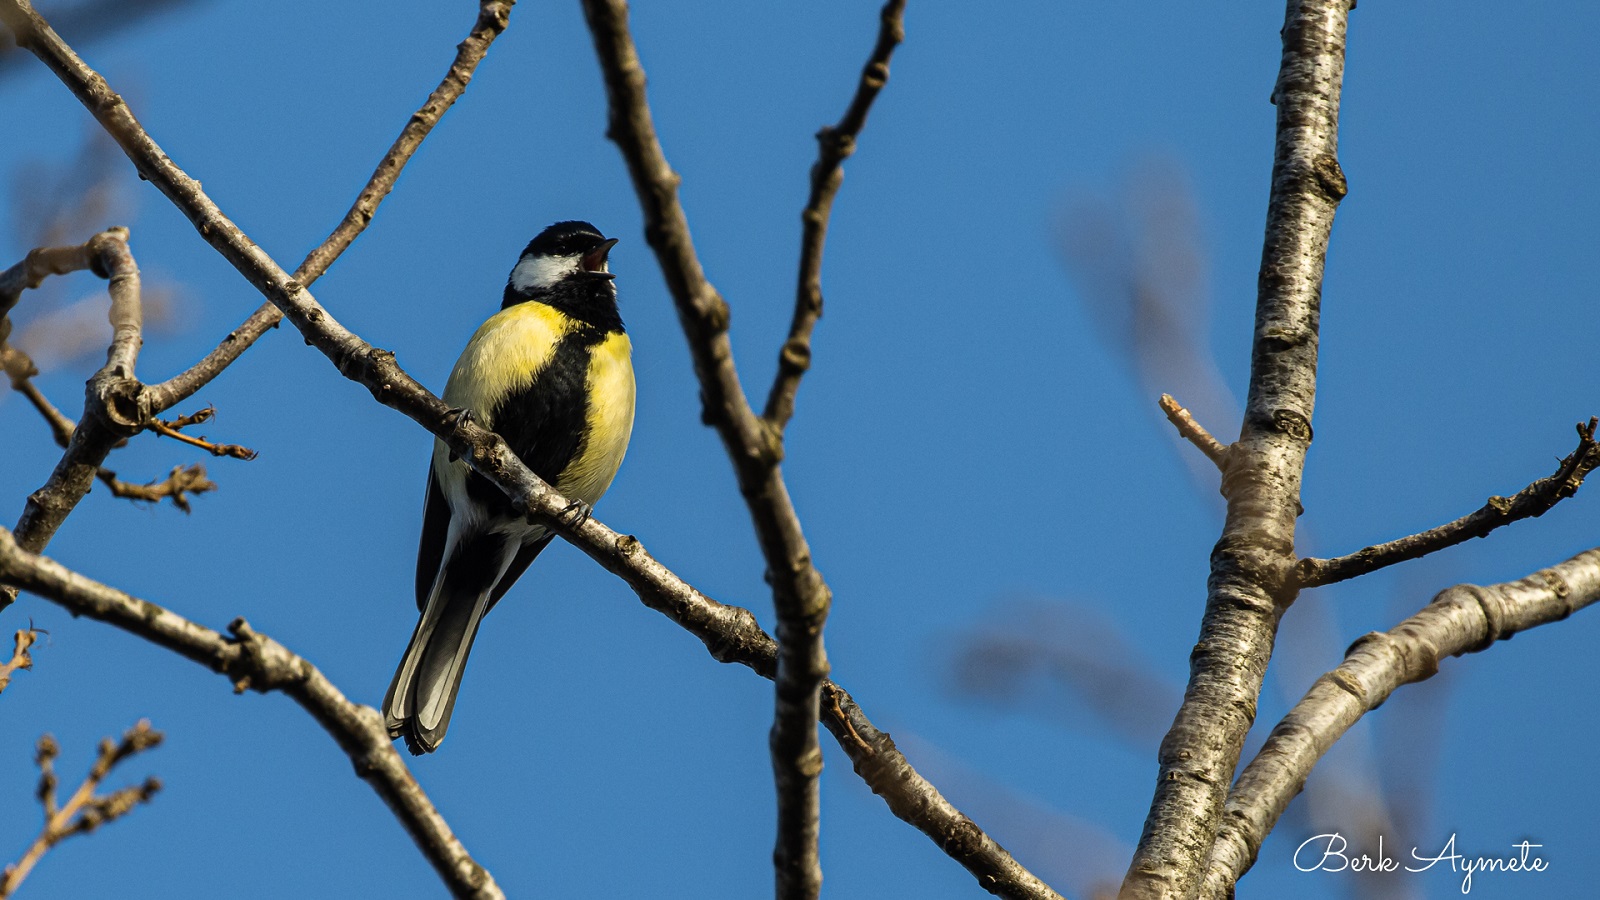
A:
594,262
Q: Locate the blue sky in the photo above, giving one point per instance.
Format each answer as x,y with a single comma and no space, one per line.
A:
971,454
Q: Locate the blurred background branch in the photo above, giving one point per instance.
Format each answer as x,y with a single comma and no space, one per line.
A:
86,809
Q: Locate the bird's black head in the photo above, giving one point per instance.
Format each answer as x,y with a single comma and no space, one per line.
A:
566,267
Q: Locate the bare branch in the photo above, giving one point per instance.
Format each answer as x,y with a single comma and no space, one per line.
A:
127,306
19,368
95,19
181,481
1250,584
493,16
70,481
171,430
730,633
1462,619
754,446
256,662
1532,501
835,144
111,403
37,266
914,799
1194,432
20,659
85,810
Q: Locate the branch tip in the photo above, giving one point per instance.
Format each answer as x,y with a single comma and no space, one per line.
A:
86,810
1195,433
1532,501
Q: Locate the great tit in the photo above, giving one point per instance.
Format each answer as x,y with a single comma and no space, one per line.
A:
551,374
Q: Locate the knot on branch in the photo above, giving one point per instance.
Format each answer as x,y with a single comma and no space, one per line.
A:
261,663
377,369
1580,462
118,401
1488,600
768,450
715,316
496,14
836,144
1292,423
795,357
1330,177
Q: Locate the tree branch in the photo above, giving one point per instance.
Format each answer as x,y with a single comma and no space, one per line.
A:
255,661
85,810
174,428
1250,583
835,144
127,306
1462,619
20,658
1195,433
180,481
729,633
1532,501
19,368
800,595
111,401
50,505
493,17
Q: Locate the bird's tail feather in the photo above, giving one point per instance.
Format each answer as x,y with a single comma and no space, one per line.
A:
423,693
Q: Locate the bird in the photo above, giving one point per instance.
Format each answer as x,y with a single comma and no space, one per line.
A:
552,374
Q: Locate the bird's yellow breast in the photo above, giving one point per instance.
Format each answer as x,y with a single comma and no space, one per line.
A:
610,421
506,356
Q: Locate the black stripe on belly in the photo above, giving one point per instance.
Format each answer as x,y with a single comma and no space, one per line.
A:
544,422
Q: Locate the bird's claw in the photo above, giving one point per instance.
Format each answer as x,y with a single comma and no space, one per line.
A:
576,513
455,419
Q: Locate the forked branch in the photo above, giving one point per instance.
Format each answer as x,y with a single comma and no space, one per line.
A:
83,458
1462,619
730,633
253,661
1250,583
20,658
86,809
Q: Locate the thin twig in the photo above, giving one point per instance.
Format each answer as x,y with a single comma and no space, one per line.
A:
198,417
493,16
20,369
170,429
253,661
1193,432
75,472
835,144
1462,619
85,810
800,595
1532,501
1250,583
729,633
20,658
181,481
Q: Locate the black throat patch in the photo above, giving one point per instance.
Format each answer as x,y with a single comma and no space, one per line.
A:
592,301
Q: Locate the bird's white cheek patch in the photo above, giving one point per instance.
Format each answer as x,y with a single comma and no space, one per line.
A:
535,273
